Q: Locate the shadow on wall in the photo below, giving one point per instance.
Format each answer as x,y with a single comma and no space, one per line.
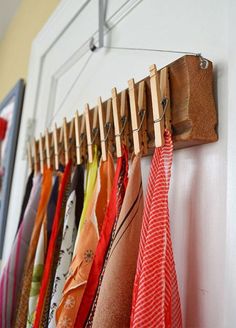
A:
188,211
193,289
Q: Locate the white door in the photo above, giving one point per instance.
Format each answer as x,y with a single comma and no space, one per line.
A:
64,74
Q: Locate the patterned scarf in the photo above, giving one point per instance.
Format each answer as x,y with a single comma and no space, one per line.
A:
86,247
156,301
22,308
42,310
74,208
11,276
118,280
41,254
88,303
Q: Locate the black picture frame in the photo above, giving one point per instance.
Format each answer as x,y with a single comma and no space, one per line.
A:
15,96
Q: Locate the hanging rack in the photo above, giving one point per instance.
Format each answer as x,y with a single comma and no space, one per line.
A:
181,92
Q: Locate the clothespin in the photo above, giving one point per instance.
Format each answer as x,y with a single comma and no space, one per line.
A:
101,128
157,107
88,133
66,141
165,95
124,115
116,117
41,153
29,155
72,139
134,116
79,135
108,124
56,149
95,129
142,111
35,155
47,144
61,146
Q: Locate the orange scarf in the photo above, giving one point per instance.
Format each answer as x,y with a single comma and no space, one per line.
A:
21,317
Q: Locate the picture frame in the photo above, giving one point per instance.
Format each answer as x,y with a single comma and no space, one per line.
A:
10,115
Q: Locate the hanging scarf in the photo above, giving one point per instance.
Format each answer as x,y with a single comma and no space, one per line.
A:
22,308
41,317
118,280
12,272
27,193
156,300
41,255
112,214
82,261
90,180
73,212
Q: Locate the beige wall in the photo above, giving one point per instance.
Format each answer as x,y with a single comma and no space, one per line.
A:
15,46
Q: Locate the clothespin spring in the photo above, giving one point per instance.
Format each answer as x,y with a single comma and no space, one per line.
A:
95,133
164,103
108,127
124,121
142,115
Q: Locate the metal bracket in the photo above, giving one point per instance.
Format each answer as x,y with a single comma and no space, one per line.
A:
101,23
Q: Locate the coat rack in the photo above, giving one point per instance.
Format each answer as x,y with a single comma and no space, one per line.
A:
179,97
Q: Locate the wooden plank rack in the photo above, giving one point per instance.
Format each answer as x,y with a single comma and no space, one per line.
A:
192,114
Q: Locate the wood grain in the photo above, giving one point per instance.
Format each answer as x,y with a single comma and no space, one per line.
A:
193,109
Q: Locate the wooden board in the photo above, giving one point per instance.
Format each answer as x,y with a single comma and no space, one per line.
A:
193,110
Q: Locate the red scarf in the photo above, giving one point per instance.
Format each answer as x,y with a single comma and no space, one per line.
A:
156,300
117,195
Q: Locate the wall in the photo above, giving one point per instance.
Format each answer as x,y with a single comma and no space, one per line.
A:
15,46
230,281
202,219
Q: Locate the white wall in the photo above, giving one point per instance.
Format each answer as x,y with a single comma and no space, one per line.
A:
230,281
198,204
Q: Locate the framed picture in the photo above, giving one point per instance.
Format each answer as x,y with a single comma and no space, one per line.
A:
10,115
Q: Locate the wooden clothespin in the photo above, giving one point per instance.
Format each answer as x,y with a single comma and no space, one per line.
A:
165,95
101,128
157,107
88,133
47,145
80,137
134,116
66,140
61,146
35,155
109,124
41,153
72,139
56,148
95,129
116,117
124,116
142,110
29,155
78,140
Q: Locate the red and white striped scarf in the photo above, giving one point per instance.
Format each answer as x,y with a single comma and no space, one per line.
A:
156,301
